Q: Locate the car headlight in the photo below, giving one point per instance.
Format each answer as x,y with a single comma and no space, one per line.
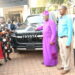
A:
40,36
13,35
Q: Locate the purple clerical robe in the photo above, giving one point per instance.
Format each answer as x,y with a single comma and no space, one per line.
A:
49,35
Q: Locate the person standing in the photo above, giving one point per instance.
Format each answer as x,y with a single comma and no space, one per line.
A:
49,41
7,47
5,39
11,26
65,32
73,17
2,26
1,51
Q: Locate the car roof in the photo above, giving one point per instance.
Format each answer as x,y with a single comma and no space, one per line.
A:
33,15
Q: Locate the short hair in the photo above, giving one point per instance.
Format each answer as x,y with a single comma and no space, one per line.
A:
64,7
3,19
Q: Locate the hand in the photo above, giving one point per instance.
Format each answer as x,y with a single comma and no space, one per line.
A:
4,32
52,43
35,29
67,46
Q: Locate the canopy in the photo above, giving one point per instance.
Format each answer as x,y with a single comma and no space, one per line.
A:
8,3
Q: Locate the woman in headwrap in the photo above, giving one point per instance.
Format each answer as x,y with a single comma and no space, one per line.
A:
49,41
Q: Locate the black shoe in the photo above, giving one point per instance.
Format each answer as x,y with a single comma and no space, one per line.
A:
6,60
1,64
9,58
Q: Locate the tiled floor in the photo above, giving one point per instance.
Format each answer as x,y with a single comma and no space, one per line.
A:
29,63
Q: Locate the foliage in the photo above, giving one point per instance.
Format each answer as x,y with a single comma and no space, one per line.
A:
57,1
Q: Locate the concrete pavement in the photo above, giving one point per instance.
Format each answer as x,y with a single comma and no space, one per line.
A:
29,63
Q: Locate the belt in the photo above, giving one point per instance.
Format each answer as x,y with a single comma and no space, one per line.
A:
63,36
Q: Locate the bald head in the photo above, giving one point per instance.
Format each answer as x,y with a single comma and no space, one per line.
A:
63,10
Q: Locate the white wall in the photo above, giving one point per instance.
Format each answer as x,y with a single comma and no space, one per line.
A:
1,12
26,12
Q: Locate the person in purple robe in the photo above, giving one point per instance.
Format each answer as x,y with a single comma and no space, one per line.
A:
49,41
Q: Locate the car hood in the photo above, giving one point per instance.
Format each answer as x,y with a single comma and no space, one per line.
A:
26,29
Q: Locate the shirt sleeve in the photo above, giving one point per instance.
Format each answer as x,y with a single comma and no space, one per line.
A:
70,31
40,28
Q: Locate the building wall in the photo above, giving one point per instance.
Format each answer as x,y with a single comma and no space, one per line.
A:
37,3
13,12
23,10
26,12
1,12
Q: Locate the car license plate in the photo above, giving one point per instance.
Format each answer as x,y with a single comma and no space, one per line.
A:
30,46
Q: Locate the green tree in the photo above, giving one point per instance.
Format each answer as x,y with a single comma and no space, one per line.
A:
58,1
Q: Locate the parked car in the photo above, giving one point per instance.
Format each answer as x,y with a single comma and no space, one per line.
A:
25,37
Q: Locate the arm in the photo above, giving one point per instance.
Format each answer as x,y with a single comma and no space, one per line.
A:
73,18
39,28
53,30
70,31
74,27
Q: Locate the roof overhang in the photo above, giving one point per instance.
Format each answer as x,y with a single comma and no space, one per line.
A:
9,3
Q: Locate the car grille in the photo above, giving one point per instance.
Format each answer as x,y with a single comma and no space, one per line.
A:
29,37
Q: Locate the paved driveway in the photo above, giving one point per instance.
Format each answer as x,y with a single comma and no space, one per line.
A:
29,63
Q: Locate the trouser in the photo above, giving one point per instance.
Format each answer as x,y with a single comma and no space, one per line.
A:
64,53
6,55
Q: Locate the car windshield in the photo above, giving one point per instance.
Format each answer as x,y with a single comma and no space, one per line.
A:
34,20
